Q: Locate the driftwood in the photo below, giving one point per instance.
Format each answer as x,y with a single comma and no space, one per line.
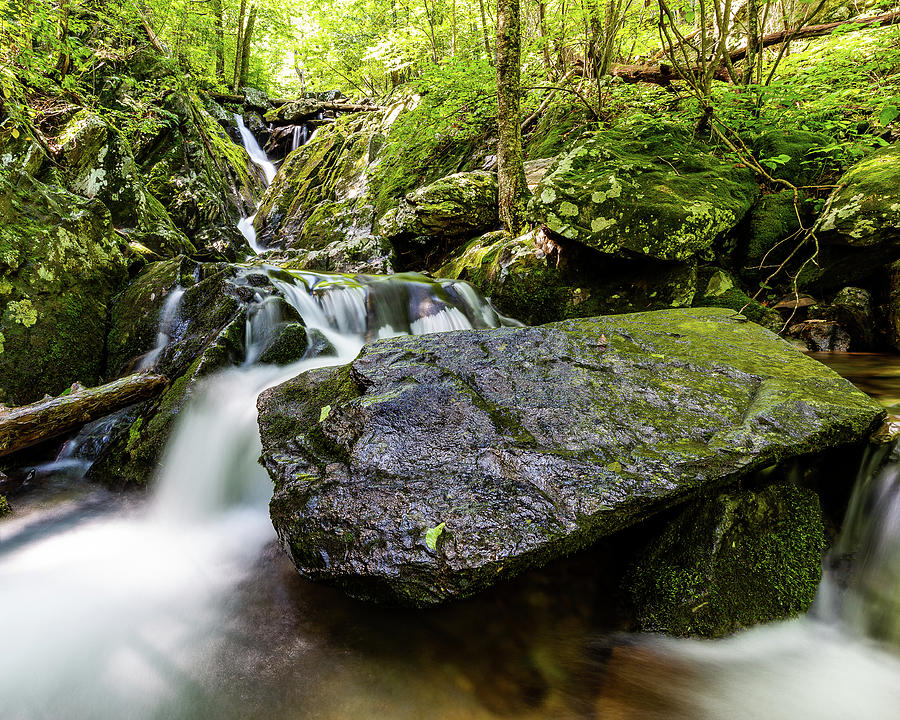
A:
27,425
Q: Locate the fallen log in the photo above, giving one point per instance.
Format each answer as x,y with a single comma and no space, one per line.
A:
319,104
818,31
27,425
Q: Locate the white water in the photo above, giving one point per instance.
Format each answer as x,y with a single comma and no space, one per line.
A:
258,156
168,316
256,153
113,618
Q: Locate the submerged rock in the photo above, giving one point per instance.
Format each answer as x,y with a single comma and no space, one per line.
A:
431,467
652,192
742,558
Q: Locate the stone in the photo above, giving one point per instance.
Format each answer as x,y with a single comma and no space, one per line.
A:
852,310
100,165
865,209
770,221
821,335
255,99
205,181
434,466
536,280
60,264
652,192
805,163
742,558
323,183
441,216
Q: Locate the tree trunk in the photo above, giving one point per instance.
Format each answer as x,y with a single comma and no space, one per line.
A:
248,39
62,37
238,47
484,32
513,188
545,39
28,425
220,40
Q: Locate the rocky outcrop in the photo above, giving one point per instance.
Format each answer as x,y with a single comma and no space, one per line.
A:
433,466
60,263
741,558
318,196
436,218
205,181
536,279
100,165
793,155
651,192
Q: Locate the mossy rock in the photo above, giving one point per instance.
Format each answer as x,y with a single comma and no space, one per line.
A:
60,263
556,131
99,164
201,177
527,283
716,288
739,559
650,191
436,218
5,508
322,182
435,466
804,164
864,211
770,221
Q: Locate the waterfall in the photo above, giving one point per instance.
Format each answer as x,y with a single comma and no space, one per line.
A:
113,617
256,153
168,315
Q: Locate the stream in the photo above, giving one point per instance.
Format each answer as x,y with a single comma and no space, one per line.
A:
179,603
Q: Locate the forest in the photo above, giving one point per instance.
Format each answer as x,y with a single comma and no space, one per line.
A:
450,358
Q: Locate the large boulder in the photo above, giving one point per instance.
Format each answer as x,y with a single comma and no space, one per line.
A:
865,209
536,280
859,232
60,264
440,216
431,467
327,170
741,558
651,191
100,165
793,155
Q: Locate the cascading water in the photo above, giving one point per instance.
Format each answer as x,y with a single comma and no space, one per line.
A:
129,604
258,156
168,316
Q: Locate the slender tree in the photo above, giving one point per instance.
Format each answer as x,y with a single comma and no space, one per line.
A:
513,189
245,51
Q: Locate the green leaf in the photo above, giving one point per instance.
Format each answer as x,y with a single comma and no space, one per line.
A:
324,413
432,535
888,114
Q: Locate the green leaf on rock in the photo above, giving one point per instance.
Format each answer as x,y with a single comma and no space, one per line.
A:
432,535
324,413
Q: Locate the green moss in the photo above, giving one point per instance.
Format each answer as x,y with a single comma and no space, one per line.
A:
740,559
5,509
735,299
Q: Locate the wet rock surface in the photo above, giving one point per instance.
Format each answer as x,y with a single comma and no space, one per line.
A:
432,467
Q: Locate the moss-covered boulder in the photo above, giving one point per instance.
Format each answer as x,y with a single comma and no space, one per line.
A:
431,467
864,211
536,280
793,155
773,219
741,558
205,181
717,288
319,194
99,164
651,191
60,263
435,218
